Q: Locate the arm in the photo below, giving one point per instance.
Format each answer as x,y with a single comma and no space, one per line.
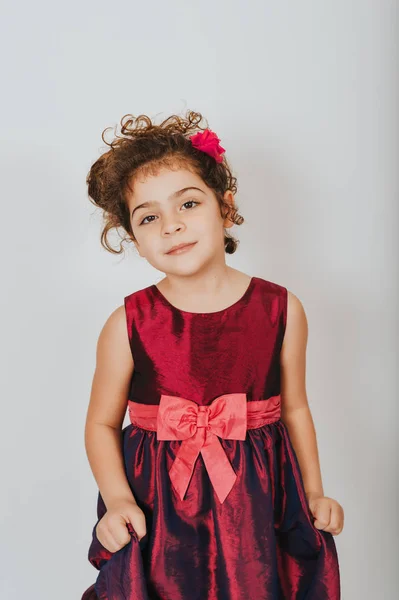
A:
295,411
107,408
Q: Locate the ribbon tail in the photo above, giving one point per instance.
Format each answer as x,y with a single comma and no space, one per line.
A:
221,473
183,465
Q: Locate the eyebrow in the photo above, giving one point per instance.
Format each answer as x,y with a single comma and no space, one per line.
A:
171,197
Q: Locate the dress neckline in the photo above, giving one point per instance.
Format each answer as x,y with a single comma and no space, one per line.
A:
217,312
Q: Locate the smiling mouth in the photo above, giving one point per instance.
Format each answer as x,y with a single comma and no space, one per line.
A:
181,249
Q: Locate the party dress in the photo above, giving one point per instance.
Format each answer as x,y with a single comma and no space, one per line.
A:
210,461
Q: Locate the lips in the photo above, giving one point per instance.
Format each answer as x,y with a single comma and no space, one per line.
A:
180,247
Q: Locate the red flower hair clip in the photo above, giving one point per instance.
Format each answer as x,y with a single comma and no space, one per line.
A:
208,142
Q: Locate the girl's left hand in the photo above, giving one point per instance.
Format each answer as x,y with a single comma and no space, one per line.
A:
328,513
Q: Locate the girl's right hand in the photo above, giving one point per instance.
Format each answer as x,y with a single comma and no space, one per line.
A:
112,530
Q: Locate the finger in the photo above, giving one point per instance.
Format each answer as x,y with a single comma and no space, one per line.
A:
106,539
322,513
336,521
139,526
120,532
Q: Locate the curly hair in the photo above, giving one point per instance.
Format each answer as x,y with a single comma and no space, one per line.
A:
144,148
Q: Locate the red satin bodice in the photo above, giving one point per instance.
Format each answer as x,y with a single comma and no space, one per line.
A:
200,356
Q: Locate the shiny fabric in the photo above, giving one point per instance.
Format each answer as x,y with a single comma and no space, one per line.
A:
259,543
228,417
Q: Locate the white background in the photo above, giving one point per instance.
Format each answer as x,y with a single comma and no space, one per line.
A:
304,96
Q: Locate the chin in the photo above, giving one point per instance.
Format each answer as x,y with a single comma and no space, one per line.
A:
185,268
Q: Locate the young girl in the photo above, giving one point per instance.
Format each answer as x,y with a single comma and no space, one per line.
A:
203,496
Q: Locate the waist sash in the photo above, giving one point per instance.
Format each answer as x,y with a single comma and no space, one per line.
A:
228,416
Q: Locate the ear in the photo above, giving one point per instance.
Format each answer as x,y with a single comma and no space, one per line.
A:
229,198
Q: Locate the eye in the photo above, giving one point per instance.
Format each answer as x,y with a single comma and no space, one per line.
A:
191,202
142,222
149,216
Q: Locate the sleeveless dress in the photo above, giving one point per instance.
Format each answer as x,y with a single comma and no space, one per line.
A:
233,521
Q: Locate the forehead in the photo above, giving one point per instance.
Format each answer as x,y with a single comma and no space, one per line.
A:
160,185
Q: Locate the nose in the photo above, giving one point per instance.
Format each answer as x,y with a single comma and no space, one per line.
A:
172,225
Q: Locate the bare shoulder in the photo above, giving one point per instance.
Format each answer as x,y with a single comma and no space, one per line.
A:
113,343
295,309
113,372
296,331
114,330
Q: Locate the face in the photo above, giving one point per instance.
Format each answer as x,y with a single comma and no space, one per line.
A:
171,216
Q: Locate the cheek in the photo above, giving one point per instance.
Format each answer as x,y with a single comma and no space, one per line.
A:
210,221
149,237
216,226
145,237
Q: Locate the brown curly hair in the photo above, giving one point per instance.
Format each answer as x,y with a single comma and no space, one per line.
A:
144,148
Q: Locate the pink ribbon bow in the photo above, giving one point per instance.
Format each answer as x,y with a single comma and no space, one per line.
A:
207,141
198,427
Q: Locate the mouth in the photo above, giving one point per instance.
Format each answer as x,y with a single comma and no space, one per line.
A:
181,248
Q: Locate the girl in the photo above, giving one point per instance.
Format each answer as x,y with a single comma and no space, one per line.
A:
203,496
